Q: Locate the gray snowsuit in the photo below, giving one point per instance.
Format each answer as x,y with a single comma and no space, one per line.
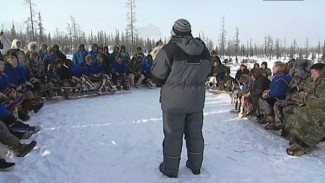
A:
181,68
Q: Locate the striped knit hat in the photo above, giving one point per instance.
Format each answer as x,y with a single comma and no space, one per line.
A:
182,27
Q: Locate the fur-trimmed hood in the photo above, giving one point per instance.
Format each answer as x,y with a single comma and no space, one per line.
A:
14,44
303,65
32,46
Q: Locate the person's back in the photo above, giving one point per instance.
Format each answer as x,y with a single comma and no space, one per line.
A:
186,58
181,68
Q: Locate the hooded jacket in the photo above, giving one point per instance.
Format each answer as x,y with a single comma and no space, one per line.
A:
181,67
22,58
32,47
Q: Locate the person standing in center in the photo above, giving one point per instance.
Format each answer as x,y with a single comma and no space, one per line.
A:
181,68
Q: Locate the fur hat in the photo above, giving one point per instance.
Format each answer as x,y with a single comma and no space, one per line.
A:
245,78
182,27
11,52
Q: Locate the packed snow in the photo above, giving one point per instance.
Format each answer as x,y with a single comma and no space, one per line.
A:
118,138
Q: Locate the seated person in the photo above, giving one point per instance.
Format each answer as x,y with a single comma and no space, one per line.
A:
135,73
146,65
277,91
119,71
306,124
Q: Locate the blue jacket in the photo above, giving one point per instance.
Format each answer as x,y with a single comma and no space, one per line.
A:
92,69
53,76
4,82
4,112
17,76
146,66
119,68
49,59
94,54
76,70
79,57
279,85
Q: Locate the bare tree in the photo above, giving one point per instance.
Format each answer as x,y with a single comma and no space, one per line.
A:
30,18
41,29
323,56
319,49
222,38
131,32
277,48
236,43
13,33
307,48
49,39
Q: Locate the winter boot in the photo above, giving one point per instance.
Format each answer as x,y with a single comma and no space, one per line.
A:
4,166
194,171
38,106
24,149
27,135
169,166
168,174
22,114
126,83
118,84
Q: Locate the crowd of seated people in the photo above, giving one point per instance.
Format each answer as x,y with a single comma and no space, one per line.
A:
28,77
293,101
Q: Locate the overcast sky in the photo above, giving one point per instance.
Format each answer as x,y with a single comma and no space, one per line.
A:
254,18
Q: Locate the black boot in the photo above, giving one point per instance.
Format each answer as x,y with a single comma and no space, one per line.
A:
168,174
24,149
194,171
37,107
4,165
22,114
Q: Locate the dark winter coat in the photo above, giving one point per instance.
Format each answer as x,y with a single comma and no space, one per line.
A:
106,65
64,73
240,72
60,55
181,67
257,88
92,69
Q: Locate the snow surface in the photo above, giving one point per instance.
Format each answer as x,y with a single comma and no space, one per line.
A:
117,139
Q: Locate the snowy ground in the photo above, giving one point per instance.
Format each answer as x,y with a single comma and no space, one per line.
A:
117,139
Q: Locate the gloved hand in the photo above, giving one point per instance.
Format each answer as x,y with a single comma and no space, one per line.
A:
299,97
